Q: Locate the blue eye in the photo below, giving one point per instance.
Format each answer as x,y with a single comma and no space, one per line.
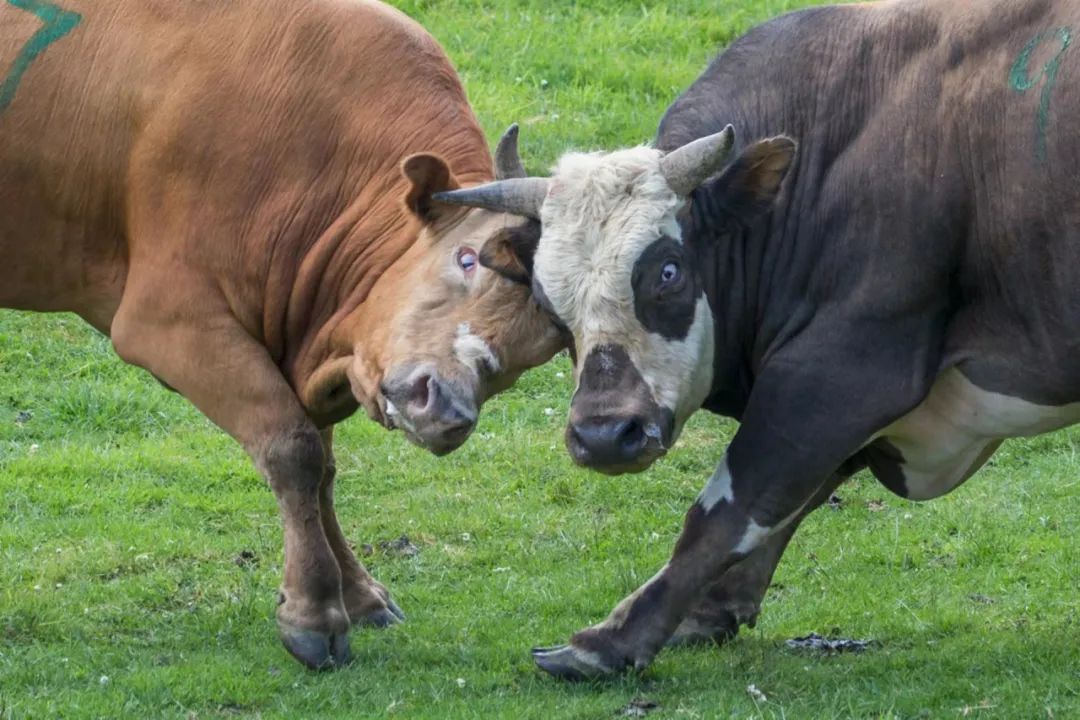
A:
669,273
466,259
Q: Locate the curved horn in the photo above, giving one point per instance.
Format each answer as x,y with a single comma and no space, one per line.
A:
517,196
507,160
692,164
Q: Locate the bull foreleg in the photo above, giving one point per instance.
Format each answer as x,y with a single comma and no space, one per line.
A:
207,357
366,599
718,534
798,430
734,599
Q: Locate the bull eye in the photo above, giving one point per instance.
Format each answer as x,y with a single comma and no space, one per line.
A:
670,273
467,260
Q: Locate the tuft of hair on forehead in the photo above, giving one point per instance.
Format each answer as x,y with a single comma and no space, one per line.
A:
625,187
602,211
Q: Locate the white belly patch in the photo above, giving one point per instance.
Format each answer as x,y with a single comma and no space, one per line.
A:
958,427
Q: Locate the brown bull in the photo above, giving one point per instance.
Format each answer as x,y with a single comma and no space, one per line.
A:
239,195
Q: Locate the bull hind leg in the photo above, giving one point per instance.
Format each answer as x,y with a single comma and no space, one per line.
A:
367,600
213,362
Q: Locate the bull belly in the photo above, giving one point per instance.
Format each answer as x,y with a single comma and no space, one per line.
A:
952,433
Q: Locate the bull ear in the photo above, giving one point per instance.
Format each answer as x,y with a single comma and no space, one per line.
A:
749,185
427,174
511,250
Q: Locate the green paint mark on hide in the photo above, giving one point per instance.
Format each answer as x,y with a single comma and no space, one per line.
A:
1022,81
57,23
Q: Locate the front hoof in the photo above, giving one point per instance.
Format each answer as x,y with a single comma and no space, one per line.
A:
316,650
569,663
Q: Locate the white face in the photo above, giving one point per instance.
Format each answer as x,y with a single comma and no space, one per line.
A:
611,265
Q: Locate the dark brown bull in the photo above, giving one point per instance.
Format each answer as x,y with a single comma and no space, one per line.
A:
901,293
239,195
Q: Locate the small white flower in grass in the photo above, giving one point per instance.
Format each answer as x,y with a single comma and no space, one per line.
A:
461,682
103,680
755,693
34,448
560,375
466,537
549,411
907,516
59,585
37,587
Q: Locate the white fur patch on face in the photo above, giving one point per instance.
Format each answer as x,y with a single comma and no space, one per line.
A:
398,419
602,212
473,351
719,488
678,372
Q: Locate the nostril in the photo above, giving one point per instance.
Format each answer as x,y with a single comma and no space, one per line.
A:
420,394
574,435
575,440
631,437
602,441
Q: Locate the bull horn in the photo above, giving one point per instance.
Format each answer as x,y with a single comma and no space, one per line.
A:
686,168
507,160
517,196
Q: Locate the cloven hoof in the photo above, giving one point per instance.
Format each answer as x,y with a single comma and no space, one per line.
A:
316,650
569,663
383,617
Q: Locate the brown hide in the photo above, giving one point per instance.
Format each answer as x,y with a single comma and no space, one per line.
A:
218,186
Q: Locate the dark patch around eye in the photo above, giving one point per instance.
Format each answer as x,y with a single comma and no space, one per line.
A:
665,310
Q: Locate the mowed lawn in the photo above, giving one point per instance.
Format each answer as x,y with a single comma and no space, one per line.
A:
140,553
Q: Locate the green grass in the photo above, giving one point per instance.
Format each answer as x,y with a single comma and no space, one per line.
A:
123,511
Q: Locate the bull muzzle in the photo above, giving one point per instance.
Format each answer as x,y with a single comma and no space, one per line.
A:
615,424
434,412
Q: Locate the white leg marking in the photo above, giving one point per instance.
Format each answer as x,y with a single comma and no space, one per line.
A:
753,537
756,534
473,351
719,488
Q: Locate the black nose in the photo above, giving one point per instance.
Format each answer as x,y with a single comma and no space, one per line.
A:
606,441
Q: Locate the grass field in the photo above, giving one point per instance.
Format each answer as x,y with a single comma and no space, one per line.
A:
140,553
